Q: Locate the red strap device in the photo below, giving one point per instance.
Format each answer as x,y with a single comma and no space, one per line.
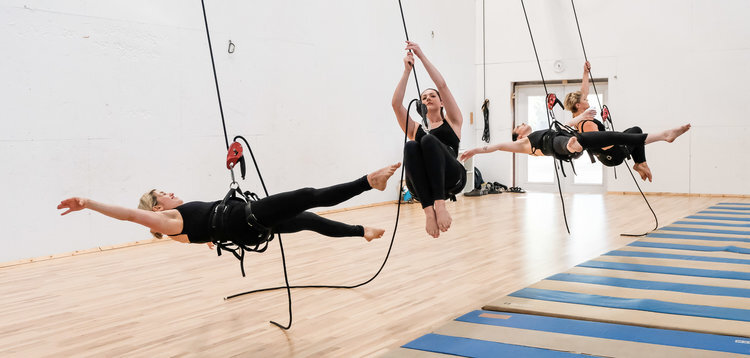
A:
552,100
234,155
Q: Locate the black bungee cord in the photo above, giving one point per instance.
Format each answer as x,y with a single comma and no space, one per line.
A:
549,111
612,126
226,140
398,212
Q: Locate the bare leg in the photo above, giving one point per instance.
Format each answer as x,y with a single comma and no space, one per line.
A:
373,233
668,135
431,225
379,178
442,216
643,170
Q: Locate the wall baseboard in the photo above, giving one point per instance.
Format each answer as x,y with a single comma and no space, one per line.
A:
680,194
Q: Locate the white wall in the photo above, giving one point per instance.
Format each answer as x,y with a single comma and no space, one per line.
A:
110,99
667,63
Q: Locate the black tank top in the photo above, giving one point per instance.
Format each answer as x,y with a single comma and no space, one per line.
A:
196,220
444,133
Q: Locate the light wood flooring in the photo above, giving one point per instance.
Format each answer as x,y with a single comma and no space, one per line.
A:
166,298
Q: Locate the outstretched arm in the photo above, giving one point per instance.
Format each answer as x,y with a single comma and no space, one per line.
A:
156,221
522,146
449,102
585,79
397,102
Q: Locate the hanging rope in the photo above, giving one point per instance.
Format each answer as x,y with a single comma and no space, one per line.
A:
550,113
226,140
398,207
607,118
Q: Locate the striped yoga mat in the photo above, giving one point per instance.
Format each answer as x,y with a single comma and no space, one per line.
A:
683,290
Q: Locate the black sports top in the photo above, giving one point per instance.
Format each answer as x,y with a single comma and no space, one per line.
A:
196,220
444,132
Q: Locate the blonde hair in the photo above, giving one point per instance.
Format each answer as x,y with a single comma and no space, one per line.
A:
147,202
571,99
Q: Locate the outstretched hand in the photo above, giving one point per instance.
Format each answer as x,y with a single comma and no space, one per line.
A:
72,204
586,67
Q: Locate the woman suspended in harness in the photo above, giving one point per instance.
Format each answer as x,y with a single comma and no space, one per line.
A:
569,144
613,155
246,223
432,172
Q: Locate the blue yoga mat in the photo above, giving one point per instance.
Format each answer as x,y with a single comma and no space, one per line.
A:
695,237
722,207
657,255
730,248
684,222
653,285
468,347
712,231
740,214
613,331
717,218
732,314
667,270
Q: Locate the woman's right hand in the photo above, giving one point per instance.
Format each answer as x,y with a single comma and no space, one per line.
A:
72,204
586,68
409,61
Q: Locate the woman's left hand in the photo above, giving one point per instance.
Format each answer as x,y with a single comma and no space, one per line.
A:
414,47
72,204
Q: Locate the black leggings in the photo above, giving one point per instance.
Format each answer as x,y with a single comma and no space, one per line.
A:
285,212
596,140
432,169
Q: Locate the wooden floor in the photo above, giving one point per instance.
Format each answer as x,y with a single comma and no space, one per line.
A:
166,299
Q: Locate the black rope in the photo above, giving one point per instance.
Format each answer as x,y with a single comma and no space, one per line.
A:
584,53
612,126
226,139
216,80
423,114
398,210
549,121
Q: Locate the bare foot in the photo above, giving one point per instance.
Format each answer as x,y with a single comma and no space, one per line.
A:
372,233
431,225
574,146
379,178
643,170
442,215
672,134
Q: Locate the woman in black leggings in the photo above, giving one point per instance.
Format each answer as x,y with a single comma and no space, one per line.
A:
563,144
432,171
191,222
